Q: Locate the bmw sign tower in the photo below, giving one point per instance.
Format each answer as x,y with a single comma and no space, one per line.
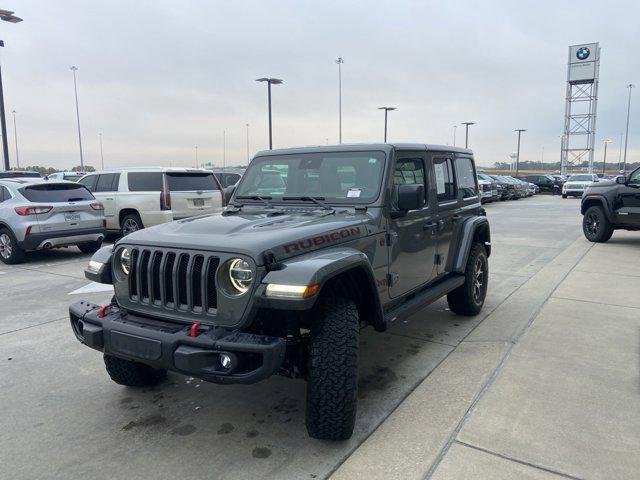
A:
578,140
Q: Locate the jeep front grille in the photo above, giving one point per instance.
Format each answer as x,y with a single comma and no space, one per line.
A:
174,280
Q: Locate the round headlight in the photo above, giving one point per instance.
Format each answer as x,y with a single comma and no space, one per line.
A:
125,260
240,275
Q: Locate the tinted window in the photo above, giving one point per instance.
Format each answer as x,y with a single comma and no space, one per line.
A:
89,182
107,182
445,185
580,178
466,177
145,181
185,182
227,179
60,192
72,178
408,171
635,177
4,195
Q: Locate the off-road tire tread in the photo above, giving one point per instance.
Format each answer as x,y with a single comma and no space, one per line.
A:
460,300
332,390
132,374
606,229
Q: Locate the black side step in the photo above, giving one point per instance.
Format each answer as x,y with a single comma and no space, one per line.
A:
423,298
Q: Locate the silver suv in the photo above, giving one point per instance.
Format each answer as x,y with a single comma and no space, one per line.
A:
37,214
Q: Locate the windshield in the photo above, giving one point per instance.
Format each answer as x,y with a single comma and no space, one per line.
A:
483,176
344,177
581,178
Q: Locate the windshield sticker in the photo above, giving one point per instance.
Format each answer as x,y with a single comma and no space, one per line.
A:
440,177
373,160
353,193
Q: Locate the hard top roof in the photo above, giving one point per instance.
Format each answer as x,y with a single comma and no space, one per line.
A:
359,147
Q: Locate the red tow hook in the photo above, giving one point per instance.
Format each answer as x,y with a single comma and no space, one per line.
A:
193,331
103,311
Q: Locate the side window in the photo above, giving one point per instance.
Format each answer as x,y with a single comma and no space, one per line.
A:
89,182
4,195
107,182
445,185
635,177
409,171
145,181
466,178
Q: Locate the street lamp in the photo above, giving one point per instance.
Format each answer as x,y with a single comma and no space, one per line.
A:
248,158
101,154
519,130
626,136
466,132
455,127
604,162
386,111
196,156
270,81
7,16
15,136
74,69
340,61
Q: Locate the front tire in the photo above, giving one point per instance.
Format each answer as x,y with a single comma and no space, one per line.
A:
132,374
10,252
596,226
332,390
468,298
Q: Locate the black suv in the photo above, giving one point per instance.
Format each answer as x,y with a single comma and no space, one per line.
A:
609,205
284,279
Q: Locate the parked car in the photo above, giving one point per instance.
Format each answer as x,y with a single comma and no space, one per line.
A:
493,187
19,174
136,198
506,189
37,214
546,183
576,184
228,176
70,176
283,281
611,205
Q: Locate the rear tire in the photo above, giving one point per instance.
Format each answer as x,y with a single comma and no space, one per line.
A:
10,252
130,223
132,374
332,390
468,298
91,247
596,226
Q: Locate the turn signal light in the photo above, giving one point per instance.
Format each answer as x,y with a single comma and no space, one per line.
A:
32,210
291,291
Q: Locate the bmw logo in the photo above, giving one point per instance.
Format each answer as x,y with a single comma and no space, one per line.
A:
583,53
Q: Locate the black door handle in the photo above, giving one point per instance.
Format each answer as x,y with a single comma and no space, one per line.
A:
430,226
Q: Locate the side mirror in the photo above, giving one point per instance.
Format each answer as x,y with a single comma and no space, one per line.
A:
227,193
622,180
410,197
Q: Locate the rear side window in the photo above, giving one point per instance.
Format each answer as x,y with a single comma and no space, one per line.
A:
186,182
145,181
61,192
89,182
4,194
445,186
466,177
107,182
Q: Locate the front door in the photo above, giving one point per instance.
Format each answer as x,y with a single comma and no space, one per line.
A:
412,245
629,211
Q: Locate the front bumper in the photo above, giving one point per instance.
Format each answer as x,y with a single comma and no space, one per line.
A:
169,345
36,241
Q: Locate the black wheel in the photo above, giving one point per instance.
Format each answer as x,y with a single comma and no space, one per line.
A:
596,225
332,390
10,251
132,374
130,223
90,247
468,298
564,195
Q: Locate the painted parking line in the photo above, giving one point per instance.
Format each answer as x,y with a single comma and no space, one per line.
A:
93,287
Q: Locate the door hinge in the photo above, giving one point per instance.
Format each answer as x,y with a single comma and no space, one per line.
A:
438,259
392,279
390,238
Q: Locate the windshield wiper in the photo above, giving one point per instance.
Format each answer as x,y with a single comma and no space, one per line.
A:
264,200
316,200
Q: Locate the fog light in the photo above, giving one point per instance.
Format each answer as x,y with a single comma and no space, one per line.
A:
225,361
95,266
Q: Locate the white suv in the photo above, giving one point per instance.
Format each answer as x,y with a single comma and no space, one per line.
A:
135,198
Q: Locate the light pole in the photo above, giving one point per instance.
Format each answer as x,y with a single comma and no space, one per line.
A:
519,130
224,149
248,157
15,136
270,81
101,154
455,127
466,132
6,16
626,135
386,111
196,156
340,61
620,152
604,162
74,69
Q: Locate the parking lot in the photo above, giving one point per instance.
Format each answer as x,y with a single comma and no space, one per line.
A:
419,382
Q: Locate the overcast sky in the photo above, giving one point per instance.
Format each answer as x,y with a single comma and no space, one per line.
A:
157,78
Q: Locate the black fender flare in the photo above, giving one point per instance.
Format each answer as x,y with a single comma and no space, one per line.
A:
467,234
592,199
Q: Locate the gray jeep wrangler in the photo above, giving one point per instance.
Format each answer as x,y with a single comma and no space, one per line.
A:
314,244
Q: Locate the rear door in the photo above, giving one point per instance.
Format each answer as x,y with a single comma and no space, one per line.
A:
67,206
193,193
105,190
629,211
449,207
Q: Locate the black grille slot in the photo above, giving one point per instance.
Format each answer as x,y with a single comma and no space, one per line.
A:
212,293
156,291
196,281
143,274
168,279
133,273
183,263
